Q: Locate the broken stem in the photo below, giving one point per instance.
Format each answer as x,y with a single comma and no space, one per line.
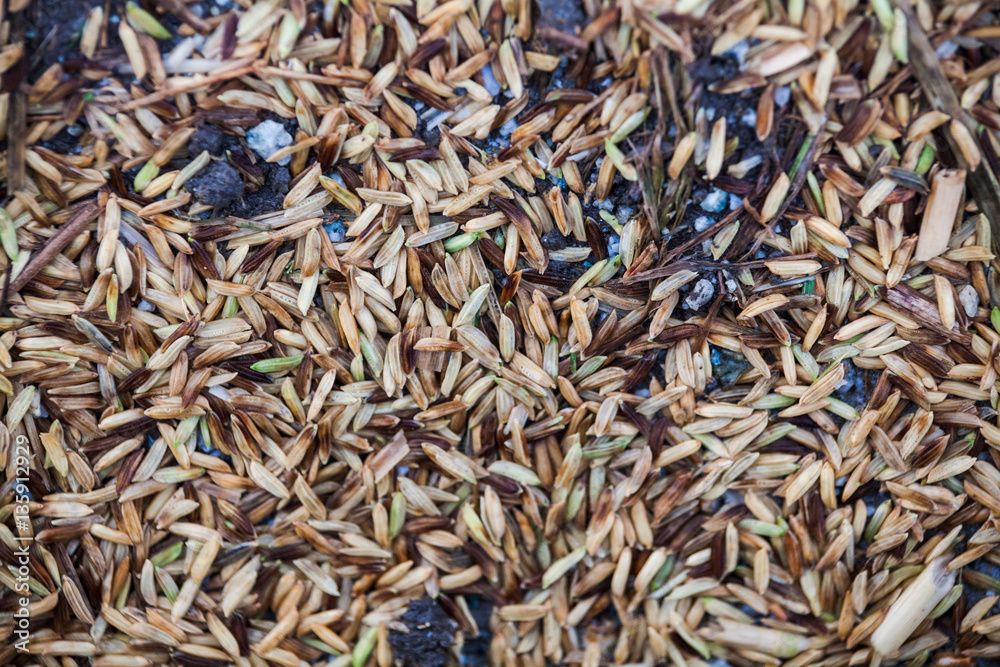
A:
62,238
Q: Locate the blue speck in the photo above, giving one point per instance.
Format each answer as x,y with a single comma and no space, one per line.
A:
782,95
336,231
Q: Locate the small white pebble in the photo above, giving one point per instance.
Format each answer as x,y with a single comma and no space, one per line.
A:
147,306
702,223
701,294
269,137
624,213
740,52
782,95
605,204
735,202
749,118
731,285
508,128
715,201
613,244
710,113
644,392
970,300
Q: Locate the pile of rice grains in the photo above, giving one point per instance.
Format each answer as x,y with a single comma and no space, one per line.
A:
380,332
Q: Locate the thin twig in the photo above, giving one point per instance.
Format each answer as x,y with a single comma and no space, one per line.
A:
62,238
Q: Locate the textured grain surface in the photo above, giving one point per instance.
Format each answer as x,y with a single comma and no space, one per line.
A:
415,332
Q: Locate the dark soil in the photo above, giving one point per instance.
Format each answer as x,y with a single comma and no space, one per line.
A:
430,136
857,386
703,74
64,143
554,240
727,366
475,651
268,197
431,635
207,137
708,71
53,28
563,15
219,185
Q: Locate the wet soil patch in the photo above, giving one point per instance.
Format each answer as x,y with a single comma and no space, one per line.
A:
431,635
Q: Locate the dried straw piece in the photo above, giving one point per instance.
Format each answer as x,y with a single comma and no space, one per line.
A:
947,194
913,606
